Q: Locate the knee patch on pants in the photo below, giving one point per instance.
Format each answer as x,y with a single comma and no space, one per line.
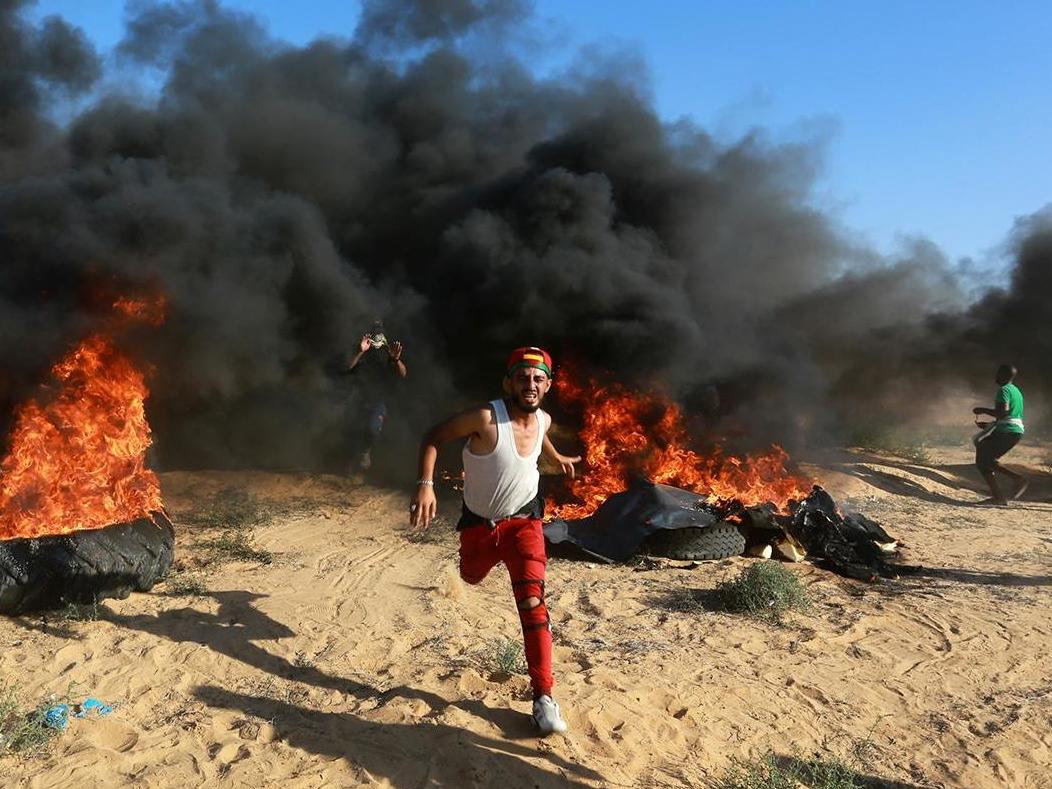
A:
532,617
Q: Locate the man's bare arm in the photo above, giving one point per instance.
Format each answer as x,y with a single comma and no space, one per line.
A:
424,504
363,348
565,463
999,411
394,353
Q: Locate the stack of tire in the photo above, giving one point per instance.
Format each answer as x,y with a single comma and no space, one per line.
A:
651,518
85,566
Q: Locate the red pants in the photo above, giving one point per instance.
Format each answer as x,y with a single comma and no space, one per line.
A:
519,543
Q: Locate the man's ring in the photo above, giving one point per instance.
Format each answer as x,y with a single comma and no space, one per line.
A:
412,508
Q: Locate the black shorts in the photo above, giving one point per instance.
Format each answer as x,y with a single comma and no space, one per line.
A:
992,447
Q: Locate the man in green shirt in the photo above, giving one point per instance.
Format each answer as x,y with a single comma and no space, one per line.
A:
1000,436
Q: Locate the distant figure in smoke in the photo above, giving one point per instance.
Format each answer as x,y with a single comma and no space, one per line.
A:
501,520
375,352
998,437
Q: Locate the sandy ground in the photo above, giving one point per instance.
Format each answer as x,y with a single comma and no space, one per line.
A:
357,658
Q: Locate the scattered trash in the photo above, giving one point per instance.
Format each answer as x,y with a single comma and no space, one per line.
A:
57,716
851,545
814,528
91,705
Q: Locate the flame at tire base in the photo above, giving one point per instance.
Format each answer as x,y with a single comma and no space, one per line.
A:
629,434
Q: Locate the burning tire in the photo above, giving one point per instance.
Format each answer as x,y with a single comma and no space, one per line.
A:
713,542
84,566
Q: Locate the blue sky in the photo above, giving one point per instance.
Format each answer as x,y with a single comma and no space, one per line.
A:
938,114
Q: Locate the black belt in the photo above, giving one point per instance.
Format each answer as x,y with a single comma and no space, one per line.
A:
534,510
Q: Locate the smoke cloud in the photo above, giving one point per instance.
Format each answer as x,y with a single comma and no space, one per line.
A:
284,197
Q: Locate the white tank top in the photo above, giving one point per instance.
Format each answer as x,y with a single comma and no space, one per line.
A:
499,484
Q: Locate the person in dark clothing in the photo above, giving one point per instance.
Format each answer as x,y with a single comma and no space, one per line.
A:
375,359
998,437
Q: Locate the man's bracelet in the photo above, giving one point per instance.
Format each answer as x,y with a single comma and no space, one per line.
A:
425,482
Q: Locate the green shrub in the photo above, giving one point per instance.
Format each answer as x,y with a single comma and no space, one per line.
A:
79,612
181,585
504,656
771,772
230,508
765,590
763,773
23,731
236,545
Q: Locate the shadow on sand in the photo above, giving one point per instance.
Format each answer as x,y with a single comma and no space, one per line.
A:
405,754
903,486
976,577
231,630
806,767
960,477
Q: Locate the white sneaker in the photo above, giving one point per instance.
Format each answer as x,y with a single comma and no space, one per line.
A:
546,715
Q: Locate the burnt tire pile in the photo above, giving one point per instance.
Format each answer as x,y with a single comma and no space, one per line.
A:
714,542
851,545
658,519
85,566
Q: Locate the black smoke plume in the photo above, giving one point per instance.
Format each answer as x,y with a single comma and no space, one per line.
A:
415,169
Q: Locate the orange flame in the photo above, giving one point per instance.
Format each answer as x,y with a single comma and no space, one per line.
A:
146,309
627,433
78,461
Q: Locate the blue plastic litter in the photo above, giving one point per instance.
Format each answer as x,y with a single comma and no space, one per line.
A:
92,704
57,716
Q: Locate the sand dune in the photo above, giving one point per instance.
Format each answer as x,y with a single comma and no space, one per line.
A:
357,658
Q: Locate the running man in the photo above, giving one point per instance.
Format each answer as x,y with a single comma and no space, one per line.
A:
501,520
1000,436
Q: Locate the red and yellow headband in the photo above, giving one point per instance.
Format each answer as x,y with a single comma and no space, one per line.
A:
529,357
